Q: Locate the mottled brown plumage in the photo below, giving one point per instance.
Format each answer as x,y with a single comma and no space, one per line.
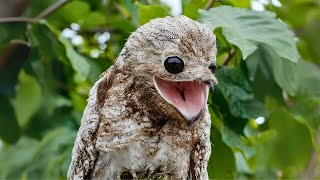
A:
129,128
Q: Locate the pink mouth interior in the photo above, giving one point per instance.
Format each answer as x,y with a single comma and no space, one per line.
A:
187,97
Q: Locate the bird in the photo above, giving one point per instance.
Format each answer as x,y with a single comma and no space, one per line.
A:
147,115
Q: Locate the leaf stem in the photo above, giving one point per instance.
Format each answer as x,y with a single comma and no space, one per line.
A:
209,4
229,57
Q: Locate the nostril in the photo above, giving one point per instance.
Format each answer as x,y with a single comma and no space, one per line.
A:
213,67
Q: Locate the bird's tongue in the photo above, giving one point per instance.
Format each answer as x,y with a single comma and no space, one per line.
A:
187,97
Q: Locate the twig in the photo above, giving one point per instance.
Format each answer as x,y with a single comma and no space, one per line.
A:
287,99
229,57
309,173
51,9
17,19
19,41
36,19
209,4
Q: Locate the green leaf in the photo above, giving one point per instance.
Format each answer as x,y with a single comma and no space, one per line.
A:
133,10
31,159
237,142
237,3
308,78
307,108
53,154
28,98
238,93
11,31
291,77
93,20
148,12
190,7
271,65
9,127
222,161
15,157
74,11
44,69
79,62
247,29
41,35
291,145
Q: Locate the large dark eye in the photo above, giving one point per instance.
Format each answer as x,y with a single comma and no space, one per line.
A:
173,64
213,67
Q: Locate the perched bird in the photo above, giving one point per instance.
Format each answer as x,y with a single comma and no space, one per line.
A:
147,115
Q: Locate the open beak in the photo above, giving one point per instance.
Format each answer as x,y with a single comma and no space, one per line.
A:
188,97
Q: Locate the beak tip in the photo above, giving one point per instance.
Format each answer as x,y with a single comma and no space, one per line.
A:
210,83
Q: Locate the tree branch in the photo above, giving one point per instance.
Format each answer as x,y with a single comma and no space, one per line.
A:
36,19
52,9
17,19
310,171
209,4
229,57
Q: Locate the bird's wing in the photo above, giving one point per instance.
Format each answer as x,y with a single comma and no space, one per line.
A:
84,153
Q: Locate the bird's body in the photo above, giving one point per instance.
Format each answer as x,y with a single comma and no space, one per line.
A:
134,125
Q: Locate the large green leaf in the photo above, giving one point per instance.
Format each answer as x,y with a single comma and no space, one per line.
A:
72,12
53,155
46,70
190,7
271,65
237,143
28,98
133,9
247,29
306,108
79,62
294,78
14,158
303,16
92,20
81,13
291,144
308,78
32,159
229,137
41,35
238,93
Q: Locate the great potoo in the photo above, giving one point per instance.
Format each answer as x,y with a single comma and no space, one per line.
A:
147,115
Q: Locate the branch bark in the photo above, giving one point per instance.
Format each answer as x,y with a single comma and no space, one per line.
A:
52,9
36,19
229,57
310,171
209,4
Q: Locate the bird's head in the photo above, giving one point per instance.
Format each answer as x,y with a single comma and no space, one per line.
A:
178,55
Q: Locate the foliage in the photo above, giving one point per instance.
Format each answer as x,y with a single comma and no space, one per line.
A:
268,69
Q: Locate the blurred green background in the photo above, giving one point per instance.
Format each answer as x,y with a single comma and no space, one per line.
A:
265,109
